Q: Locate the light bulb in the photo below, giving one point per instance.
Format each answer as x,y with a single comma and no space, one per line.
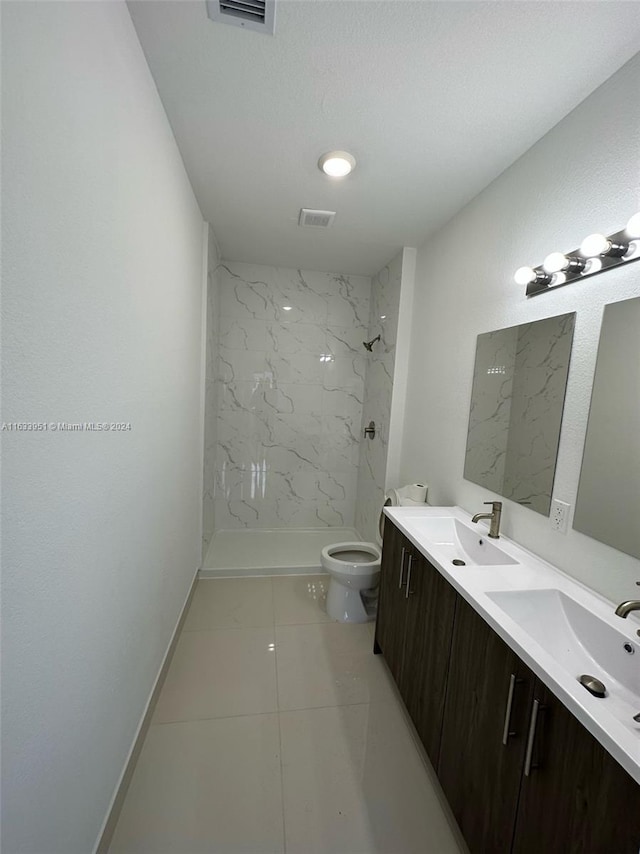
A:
337,164
525,275
594,245
555,262
598,244
633,227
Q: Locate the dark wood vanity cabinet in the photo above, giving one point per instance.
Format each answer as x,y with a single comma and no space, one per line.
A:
575,798
413,631
392,610
484,732
431,604
520,772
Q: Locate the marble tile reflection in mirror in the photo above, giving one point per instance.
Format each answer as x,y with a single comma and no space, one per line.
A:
519,383
608,503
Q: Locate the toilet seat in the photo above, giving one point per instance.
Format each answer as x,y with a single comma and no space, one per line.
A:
352,558
354,568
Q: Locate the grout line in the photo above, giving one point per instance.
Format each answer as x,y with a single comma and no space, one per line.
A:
333,706
228,628
306,623
273,712
215,718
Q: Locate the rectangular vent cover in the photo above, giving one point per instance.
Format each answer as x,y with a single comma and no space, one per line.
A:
316,219
258,15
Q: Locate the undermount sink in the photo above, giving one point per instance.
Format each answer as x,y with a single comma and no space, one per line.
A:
459,541
580,641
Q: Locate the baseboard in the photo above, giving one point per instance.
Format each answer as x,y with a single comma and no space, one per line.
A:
113,813
257,572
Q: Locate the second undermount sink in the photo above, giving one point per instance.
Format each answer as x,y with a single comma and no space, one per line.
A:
460,542
580,641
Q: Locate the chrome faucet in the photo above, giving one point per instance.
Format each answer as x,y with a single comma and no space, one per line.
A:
626,608
496,513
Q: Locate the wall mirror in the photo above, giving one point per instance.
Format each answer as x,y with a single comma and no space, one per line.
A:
608,503
519,384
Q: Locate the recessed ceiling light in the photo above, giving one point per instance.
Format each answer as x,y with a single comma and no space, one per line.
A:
337,164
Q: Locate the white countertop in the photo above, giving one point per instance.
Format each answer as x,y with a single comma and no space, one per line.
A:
609,719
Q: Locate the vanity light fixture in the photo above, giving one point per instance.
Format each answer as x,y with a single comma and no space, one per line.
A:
597,253
337,164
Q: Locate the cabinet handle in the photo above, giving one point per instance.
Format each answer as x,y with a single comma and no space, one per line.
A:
404,552
506,731
532,737
407,592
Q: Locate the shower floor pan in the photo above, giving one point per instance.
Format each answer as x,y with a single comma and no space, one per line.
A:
280,551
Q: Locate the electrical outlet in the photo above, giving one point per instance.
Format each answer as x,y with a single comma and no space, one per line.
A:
559,515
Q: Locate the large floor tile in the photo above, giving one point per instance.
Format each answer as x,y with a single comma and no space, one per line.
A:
219,673
404,800
328,665
205,787
354,784
300,599
322,759
231,603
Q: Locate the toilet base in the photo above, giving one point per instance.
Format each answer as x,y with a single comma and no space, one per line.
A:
345,604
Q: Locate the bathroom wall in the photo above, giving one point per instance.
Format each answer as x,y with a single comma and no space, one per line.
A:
378,389
102,319
211,390
291,379
583,176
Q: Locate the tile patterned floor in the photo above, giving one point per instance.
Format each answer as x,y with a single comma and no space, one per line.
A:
277,730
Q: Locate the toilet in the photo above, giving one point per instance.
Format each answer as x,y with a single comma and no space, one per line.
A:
355,567
355,572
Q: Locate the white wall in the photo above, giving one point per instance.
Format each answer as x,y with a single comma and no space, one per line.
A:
583,176
378,392
102,322
400,372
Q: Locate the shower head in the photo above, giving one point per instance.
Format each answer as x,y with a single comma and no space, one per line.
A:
368,345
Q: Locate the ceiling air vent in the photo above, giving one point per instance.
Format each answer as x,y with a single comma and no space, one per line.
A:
315,219
258,15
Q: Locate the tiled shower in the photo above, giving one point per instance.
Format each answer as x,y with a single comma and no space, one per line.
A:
288,380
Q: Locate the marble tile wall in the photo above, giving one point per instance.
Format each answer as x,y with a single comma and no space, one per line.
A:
290,374
211,394
383,320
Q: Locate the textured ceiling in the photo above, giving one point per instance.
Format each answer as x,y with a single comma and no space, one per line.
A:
434,99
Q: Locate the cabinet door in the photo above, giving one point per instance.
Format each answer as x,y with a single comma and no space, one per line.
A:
575,798
431,603
390,622
488,699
